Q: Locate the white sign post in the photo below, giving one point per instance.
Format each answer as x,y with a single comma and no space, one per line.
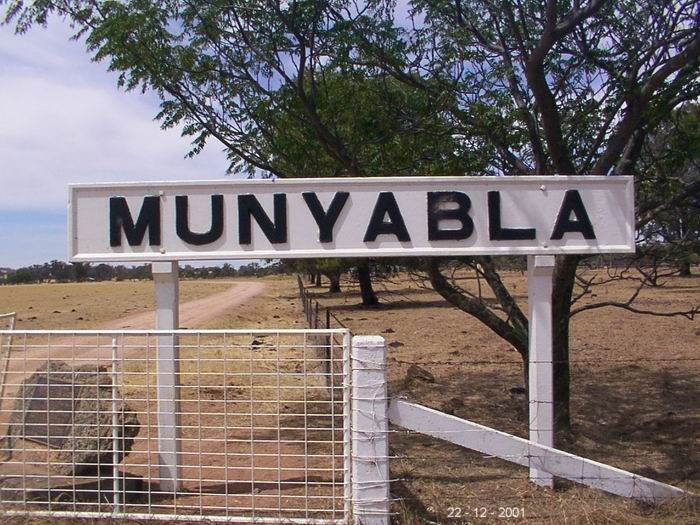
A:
165,278
540,269
165,222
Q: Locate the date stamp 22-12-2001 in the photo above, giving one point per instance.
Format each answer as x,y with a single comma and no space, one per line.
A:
476,512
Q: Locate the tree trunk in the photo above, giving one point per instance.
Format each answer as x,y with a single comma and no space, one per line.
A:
317,279
564,279
516,333
335,283
684,269
369,298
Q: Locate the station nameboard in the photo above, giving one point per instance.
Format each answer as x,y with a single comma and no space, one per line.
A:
350,217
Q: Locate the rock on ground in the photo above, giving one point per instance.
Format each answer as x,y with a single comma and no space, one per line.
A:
85,440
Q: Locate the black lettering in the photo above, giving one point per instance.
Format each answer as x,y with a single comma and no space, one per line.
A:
182,221
386,205
437,199
573,203
325,220
248,206
120,219
496,232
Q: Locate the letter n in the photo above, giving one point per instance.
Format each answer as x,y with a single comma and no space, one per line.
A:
248,206
120,219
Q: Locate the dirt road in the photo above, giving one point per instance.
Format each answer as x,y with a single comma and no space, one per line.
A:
25,360
194,314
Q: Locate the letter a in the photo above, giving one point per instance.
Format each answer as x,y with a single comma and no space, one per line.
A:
386,205
573,203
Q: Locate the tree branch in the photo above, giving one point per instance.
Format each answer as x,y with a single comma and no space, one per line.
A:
688,314
476,308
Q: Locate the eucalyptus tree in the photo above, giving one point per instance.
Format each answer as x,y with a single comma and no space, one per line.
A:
669,164
520,87
555,87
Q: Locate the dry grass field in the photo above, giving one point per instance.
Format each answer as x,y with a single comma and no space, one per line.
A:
83,306
210,400
635,402
635,389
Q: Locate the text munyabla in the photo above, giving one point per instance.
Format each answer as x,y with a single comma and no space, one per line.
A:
352,217
386,219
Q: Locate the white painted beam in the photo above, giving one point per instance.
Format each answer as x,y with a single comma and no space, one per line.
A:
165,277
526,453
540,270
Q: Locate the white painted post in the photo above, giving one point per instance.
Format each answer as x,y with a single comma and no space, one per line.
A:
370,431
540,269
165,277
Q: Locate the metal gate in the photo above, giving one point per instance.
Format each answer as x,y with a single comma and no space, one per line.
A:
254,424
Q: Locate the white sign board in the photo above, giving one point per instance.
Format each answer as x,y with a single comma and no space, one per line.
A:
374,217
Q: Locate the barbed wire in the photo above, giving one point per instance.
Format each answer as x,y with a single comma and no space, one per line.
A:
553,361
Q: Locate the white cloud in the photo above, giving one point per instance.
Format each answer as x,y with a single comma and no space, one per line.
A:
63,120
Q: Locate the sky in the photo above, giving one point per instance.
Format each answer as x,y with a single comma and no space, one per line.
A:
63,120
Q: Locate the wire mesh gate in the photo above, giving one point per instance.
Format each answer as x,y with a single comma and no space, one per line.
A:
262,436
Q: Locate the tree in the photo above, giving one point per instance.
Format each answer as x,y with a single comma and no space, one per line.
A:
670,162
21,276
264,79
555,87
331,268
528,87
389,129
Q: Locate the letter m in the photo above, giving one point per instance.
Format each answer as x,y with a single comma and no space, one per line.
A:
120,219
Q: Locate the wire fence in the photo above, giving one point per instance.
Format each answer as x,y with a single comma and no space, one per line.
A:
317,316
261,434
638,414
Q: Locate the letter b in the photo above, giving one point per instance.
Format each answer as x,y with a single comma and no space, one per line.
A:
437,213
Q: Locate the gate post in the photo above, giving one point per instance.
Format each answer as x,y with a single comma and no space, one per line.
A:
165,277
540,269
370,431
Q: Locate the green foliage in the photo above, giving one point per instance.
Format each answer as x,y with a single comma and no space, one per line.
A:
21,276
275,83
61,272
386,127
670,186
335,87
